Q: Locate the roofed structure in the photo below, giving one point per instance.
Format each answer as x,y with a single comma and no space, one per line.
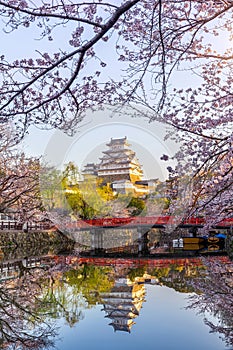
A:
119,162
119,167
90,169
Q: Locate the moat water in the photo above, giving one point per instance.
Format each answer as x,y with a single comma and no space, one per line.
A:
92,302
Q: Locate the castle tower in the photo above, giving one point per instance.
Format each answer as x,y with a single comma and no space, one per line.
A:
119,162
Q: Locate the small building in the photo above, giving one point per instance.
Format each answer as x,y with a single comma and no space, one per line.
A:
123,187
90,169
150,185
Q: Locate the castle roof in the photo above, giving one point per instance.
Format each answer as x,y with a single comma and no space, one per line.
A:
122,327
121,141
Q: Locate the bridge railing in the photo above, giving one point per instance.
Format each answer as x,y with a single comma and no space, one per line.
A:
149,220
30,226
10,225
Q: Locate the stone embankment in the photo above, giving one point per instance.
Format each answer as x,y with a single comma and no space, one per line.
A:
50,240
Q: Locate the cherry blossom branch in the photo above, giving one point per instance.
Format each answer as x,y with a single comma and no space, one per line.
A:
82,51
42,14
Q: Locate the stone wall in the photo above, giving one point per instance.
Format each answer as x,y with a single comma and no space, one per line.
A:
14,239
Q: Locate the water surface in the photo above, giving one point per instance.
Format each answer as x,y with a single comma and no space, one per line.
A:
74,302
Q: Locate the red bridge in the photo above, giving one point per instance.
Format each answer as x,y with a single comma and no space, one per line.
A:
153,221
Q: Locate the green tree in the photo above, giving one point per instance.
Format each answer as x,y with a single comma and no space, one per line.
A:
137,204
105,192
70,176
91,281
